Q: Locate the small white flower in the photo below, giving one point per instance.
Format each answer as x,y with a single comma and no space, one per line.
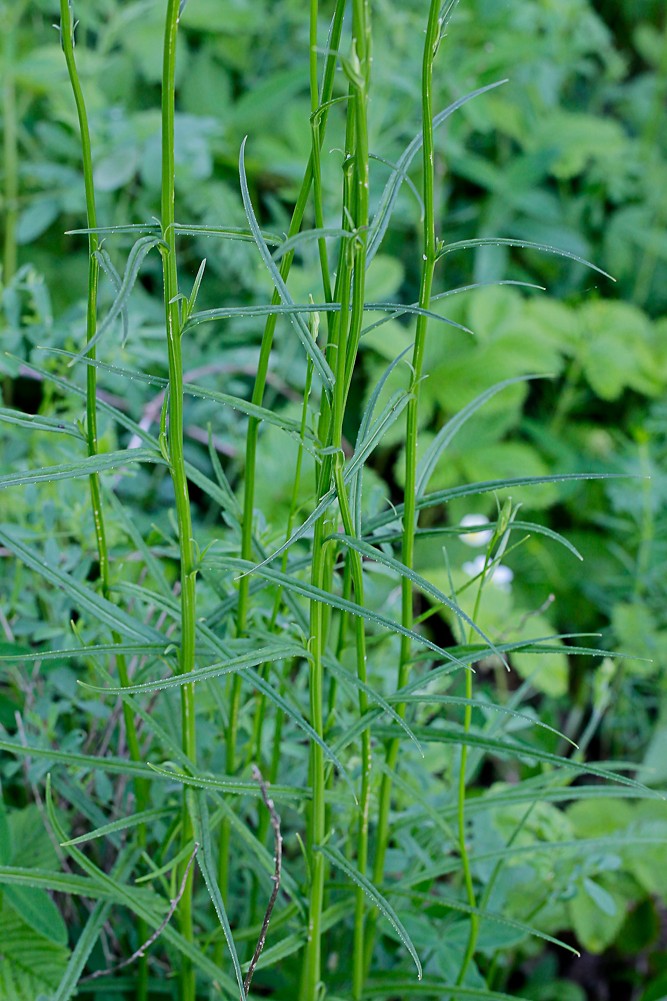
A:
474,567
500,575
476,538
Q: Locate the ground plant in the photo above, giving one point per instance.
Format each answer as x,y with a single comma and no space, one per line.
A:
305,690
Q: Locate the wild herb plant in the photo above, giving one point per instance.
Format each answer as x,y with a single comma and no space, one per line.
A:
280,683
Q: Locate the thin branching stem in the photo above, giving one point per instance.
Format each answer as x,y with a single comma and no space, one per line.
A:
277,874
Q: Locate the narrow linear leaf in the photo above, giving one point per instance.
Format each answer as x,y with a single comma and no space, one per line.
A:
313,593
82,467
385,207
383,705
207,867
101,649
458,905
299,325
264,655
496,241
229,786
339,860
448,734
141,248
123,824
379,990
118,766
38,423
439,497
306,236
401,310
134,899
455,700
83,597
429,459
134,227
227,233
90,934
371,553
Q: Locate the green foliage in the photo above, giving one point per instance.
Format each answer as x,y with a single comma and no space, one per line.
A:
318,503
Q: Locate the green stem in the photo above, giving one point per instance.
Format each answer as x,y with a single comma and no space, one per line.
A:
409,516
461,795
253,435
177,461
358,954
142,787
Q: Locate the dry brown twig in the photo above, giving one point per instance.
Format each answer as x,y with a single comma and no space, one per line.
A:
173,904
278,838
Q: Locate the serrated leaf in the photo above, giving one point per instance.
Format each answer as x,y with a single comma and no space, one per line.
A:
31,964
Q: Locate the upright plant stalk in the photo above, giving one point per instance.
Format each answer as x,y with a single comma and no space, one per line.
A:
252,435
409,517
177,464
142,789
342,347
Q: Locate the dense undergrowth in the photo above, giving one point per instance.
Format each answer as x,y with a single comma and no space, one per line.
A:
328,544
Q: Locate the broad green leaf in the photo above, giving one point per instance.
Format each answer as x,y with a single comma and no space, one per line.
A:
31,964
36,909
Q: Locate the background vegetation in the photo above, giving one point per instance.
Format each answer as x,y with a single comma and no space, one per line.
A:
570,152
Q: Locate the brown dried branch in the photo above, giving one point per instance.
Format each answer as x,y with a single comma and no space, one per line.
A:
278,838
140,952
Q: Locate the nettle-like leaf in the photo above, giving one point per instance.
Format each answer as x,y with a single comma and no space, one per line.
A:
30,963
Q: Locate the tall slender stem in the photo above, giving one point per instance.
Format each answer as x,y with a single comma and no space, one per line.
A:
409,517
177,459
252,435
142,788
